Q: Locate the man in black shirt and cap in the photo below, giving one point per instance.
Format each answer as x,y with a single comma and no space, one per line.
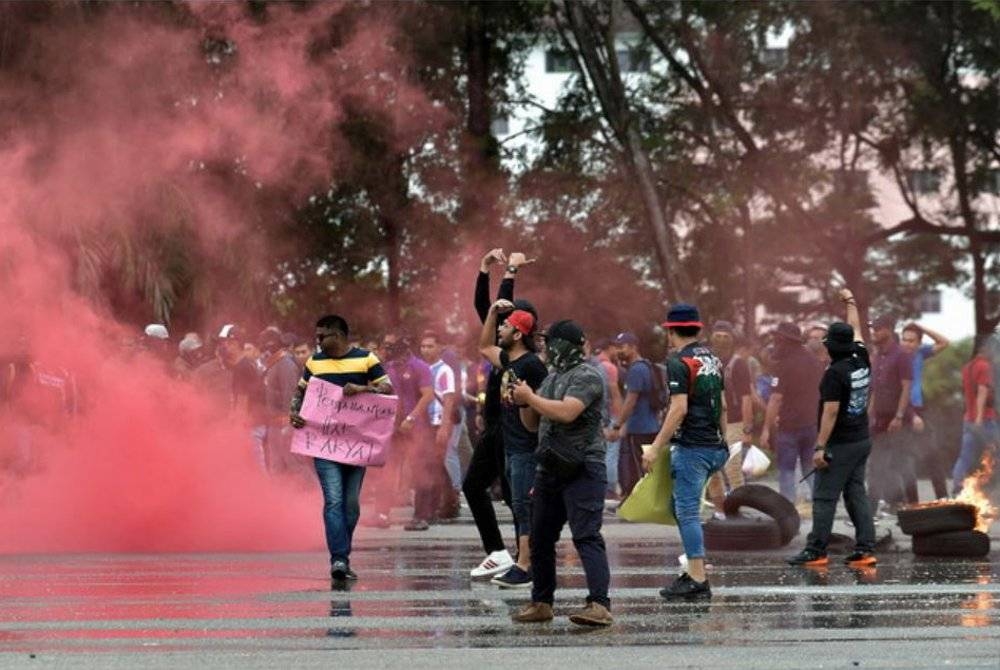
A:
843,444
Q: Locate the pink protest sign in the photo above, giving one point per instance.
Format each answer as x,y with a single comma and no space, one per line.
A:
355,430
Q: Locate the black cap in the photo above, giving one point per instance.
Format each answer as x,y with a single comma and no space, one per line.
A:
565,330
840,337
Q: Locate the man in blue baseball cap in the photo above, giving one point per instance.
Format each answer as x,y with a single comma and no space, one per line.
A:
694,429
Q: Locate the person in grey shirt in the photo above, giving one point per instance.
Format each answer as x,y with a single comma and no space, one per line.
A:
571,477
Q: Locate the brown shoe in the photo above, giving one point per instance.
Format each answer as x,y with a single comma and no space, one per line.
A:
534,613
594,614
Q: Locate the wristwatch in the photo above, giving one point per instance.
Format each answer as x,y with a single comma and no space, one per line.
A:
819,447
512,269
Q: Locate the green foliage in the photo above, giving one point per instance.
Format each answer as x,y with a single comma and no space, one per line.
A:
943,376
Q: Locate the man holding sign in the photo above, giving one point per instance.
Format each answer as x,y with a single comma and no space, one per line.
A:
355,371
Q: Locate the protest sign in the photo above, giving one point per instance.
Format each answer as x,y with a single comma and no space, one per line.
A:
355,430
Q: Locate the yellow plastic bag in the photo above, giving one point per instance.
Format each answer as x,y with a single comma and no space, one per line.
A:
650,501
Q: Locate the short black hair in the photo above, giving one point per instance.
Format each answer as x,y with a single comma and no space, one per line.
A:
914,328
432,334
686,331
334,322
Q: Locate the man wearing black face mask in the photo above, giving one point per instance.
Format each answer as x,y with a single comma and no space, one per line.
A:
571,478
843,444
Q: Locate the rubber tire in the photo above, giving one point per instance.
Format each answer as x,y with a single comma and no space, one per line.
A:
957,543
742,534
940,519
767,500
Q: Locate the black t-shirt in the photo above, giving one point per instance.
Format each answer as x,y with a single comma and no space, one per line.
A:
797,376
528,368
848,381
248,381
737,385
697,372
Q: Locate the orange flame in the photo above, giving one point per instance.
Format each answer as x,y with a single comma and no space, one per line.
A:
972,493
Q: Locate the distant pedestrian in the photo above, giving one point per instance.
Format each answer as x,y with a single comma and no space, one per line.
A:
979,425
926,450
893,464
791,409
639,421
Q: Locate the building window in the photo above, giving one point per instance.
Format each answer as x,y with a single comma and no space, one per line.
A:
929,303
557,60
500,126
774,59
924,181
633,60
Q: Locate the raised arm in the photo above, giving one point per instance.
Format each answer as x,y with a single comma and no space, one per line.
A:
940,341
482,298
488,335
853,316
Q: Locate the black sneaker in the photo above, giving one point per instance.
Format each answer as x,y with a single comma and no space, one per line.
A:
809,558
861,559
339,570
515,578
685,587
351,575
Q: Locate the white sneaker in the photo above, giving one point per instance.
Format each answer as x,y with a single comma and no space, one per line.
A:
496,563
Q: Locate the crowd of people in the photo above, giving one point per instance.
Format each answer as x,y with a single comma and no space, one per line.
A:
554,422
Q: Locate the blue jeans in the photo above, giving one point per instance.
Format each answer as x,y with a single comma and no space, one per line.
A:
794,446
690,468
521,466
611,464
974,441
341,486
452,463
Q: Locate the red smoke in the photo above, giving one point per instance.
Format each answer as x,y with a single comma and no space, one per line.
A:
123,119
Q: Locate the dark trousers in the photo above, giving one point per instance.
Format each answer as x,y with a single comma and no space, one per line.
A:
893,473
580,502
844,475
929,458
630,460
486,465
429,477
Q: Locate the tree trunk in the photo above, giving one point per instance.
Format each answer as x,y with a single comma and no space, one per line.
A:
673,278
959,164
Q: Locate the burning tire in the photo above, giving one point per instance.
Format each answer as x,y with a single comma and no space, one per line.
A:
934,518
767,500
958,543
742,534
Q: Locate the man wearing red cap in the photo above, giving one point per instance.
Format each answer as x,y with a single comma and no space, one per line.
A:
508,346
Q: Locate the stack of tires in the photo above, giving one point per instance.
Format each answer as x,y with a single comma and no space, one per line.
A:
744,533
944,530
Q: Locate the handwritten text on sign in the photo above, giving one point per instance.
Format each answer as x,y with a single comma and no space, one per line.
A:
355,430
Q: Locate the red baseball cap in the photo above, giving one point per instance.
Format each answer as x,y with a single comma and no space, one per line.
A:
521,320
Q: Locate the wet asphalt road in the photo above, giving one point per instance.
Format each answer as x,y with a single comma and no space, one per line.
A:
415,607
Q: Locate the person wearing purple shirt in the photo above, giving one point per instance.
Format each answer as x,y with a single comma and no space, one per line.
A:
411,379
892,466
